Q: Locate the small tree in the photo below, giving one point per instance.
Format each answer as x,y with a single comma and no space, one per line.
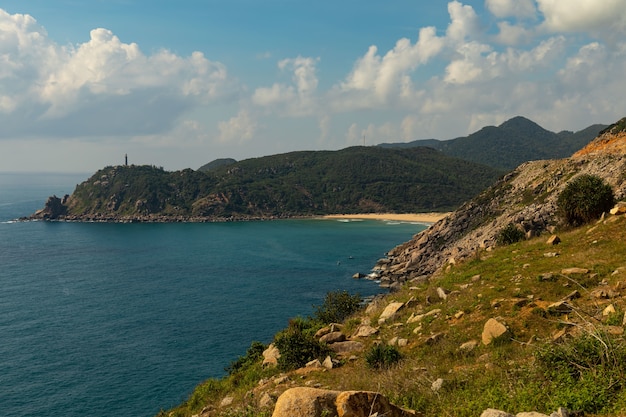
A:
337,307
510,234
584,199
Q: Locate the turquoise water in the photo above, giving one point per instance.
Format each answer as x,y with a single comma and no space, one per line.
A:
125,319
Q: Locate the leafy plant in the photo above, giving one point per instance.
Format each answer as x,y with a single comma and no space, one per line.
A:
584,199
252,356
382,356
337,307
510,234
297,345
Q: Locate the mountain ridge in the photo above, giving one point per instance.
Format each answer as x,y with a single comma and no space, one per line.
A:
506,146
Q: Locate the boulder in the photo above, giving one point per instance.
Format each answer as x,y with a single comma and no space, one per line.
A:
333,337
313,402
493,330
554,240
271,355
347,347
365,330
620,208
390,311
490,412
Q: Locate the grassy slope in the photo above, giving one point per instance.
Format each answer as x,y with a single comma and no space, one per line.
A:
529,372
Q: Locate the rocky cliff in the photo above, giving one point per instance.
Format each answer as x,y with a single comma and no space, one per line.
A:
526,197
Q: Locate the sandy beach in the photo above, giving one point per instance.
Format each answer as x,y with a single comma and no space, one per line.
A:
405,217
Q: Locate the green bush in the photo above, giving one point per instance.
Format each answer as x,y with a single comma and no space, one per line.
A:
510,234
298,345
382,356
584,199
337,307
252,356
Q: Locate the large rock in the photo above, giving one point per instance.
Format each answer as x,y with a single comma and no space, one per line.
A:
389,312
312,402
493,330
333,337
271,355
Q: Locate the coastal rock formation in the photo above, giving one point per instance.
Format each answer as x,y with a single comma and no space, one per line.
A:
526,197
313,402
54,208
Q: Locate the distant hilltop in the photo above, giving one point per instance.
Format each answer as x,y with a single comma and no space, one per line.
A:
391,178
297,184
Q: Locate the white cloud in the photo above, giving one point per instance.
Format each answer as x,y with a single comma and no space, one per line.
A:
592,16
511,8
99,87
512,34
240,128
464,22
295,99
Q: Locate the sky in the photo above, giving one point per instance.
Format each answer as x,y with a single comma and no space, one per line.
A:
180,83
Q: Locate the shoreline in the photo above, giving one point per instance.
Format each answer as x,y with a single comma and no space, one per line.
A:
404,217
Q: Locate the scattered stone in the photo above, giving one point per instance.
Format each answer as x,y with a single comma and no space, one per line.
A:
602,293
493,330
476,278
574,271
530,414
554,240
615,330
358,275
226,401
459,314
347,347
547,277
469,346
560,335
419,317
434,338
490,412
333,337
550,254
365,330
610,309
315,363
266,401
437,384
328,363
311,402
389,312
560,307
443,294
620,208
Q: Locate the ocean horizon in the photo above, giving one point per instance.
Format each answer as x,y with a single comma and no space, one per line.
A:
111,319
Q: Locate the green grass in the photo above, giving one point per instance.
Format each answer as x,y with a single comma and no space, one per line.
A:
585,370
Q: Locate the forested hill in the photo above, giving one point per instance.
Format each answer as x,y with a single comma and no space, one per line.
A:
514,142
352,180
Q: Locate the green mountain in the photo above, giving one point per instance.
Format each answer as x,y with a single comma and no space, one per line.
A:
512,143
352,180
218,163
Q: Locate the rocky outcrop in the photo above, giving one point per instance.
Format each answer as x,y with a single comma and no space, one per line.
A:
313,402
54,209
526,198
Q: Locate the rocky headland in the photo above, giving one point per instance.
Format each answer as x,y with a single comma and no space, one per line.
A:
537,326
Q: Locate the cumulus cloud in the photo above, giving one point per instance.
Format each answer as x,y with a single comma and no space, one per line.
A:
99,87
240,128
297,98
512,8
607,16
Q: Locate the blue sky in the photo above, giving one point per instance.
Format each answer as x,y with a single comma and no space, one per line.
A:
178,84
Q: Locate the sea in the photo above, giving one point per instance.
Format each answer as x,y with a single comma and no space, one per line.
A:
102,319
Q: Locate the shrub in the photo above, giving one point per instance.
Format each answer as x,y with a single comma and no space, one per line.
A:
382,356
510,234
297,345
253,355
337,307
584,199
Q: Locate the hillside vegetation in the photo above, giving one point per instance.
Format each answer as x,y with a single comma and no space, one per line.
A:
352,180
513,142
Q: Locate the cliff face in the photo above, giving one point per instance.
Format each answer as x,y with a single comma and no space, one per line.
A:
525,197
